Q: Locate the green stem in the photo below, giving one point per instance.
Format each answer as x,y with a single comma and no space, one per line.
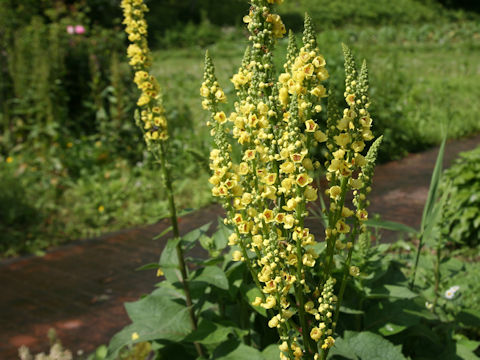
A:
437,278
331,244
307,342
346,269
417,258
179,249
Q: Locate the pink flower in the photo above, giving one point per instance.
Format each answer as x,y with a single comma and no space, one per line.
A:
70,29
79,29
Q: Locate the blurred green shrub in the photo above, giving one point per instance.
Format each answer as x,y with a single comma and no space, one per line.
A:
461,215
17,214
63,78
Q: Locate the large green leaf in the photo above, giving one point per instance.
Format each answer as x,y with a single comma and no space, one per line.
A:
212,275
392,291
220,237
242,352
155,317
271,352
251,292
366,345
390,317
209,333
195,234
470,317
169,261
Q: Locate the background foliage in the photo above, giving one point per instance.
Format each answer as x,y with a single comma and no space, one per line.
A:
461,214
66,100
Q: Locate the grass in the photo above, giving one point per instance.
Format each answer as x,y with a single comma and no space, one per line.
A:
424,78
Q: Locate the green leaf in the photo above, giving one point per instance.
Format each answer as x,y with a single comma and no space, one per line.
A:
470,317
390,225
155,317
434,182
148,267
251,292
348,310
169,261
366,345
209,333
393,291
212,275
101,352
242,352
465,353
194,235
220,237
271,352
391,329
163,233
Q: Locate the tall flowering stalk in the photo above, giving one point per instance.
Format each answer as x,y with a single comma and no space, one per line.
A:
152,121
266,193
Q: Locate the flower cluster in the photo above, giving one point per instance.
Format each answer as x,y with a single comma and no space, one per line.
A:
266,193
152,116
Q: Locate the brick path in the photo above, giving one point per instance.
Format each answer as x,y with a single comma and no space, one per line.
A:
79,289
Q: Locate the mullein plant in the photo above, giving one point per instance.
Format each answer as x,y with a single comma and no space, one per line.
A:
266,192
153,123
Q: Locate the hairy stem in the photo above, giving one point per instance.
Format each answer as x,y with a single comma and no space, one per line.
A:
176,233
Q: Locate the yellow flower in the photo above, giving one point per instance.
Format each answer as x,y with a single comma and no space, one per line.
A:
311,193
270,302
135,336
268,216
257,301
220,117
316,334
342,139
329,342
273,322
9,159
101,209
284,346
160,272
220,95
310,126
232,239
320,136
342,227
237,255
289,221
335,191
303,180
354,271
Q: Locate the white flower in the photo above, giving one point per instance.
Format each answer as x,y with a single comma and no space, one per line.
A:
450,293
